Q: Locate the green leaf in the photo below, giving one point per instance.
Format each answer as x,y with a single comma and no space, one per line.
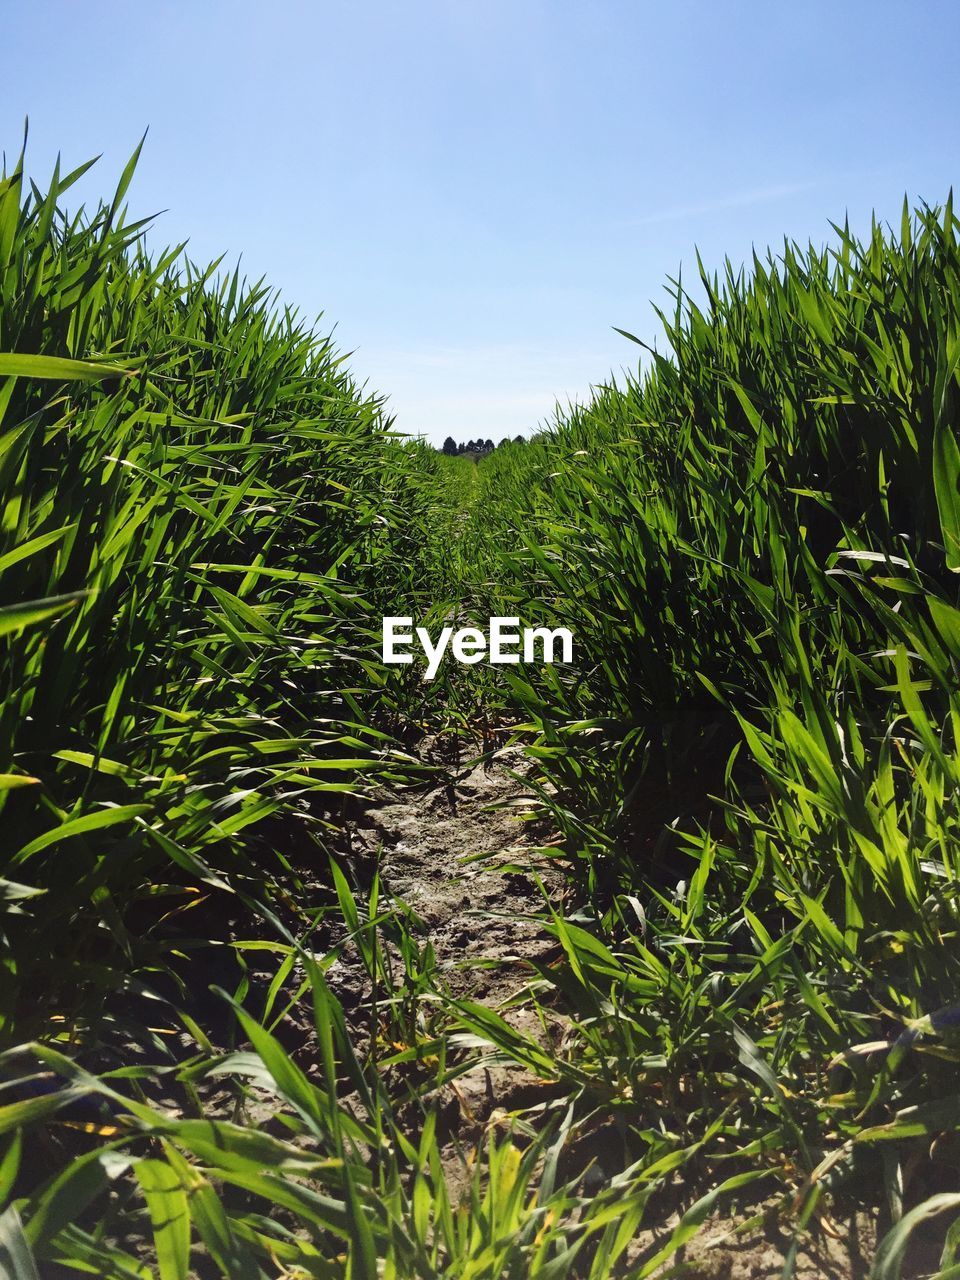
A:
889,1260
10,1167
16,1115
16,1256
83,826
27,549
58,368
71,1192
694,1218
169,1216
946,483
14,617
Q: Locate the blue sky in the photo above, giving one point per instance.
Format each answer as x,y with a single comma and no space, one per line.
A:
474,193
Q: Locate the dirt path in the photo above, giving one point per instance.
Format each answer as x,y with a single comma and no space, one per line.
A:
444,853
463,860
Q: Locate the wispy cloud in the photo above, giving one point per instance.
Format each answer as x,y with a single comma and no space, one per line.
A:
733,200
488,389
507,358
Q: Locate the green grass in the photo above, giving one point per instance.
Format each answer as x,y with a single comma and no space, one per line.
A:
200,518
756,545
753,763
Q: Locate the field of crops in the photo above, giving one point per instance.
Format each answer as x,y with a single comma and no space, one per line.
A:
749,776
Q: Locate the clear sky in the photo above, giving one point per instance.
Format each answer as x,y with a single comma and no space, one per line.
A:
475,191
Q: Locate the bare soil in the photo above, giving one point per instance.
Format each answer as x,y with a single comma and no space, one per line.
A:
468,864
468,859
464,857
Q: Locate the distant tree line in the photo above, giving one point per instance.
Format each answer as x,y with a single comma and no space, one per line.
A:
477,448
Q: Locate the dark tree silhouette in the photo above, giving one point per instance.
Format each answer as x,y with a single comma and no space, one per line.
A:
449,446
